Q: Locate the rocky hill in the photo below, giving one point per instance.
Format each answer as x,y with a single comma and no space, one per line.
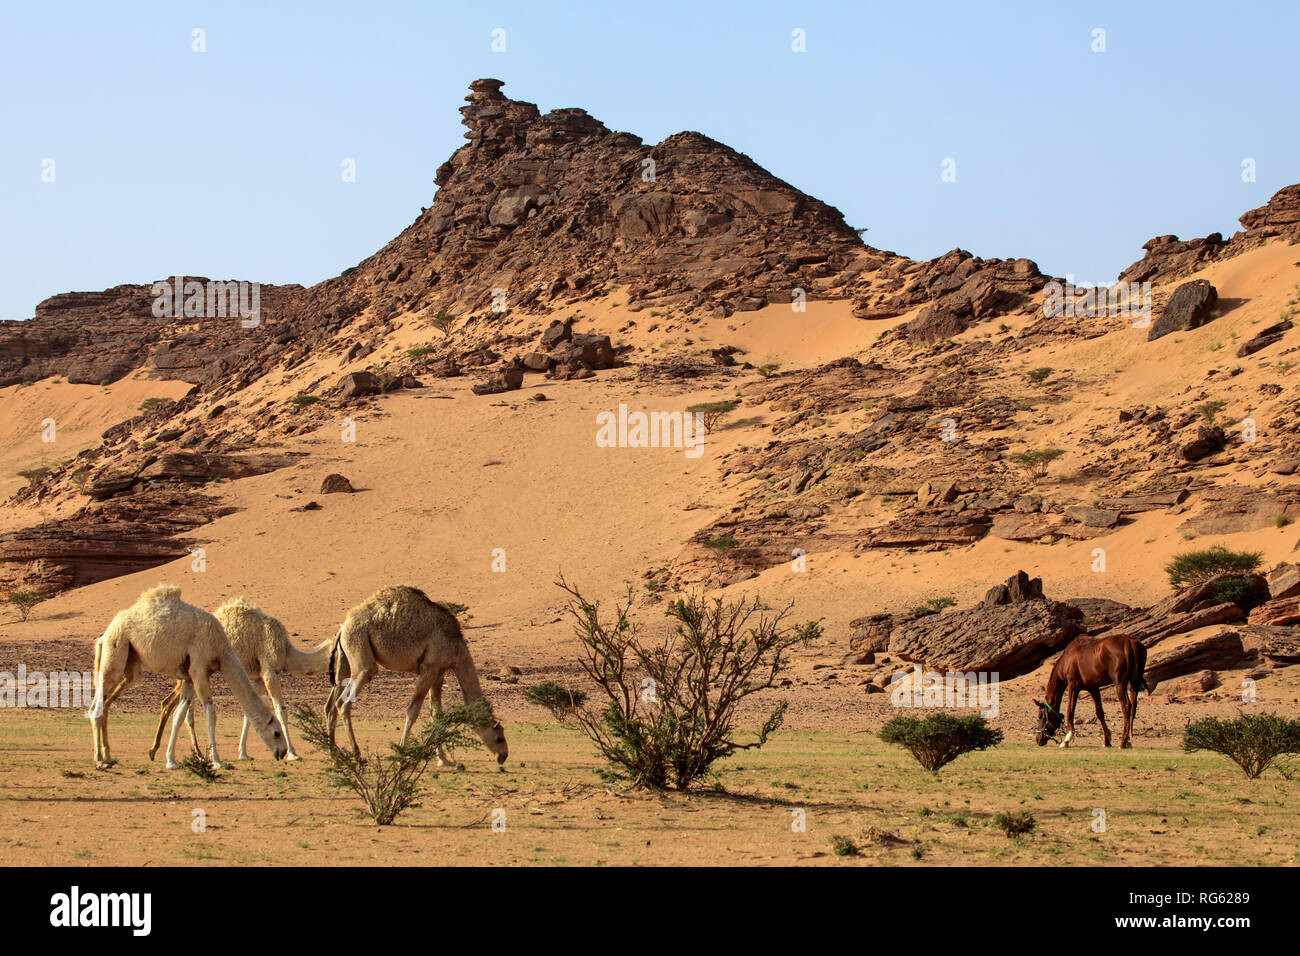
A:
558,249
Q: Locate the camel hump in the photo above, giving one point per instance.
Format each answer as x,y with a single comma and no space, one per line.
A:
240,603
163,592
404,591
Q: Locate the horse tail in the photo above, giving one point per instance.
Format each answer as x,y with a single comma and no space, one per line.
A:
1140,681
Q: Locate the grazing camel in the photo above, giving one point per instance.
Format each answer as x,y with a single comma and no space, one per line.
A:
262,645
1090,663
163,634
401,629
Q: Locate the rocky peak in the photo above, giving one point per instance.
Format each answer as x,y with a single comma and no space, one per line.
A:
1168,257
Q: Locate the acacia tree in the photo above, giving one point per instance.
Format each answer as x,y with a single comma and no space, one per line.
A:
1036,461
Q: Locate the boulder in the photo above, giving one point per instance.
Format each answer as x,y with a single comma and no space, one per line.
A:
1092,517
1277,613
1216,648
1099,613
356,384
336,484
1209,440
505,380
1264,339
1011,639
538,362
1284,581
556,333
1191,306
592,351
1018,589
1198,683
1281,645
1195,606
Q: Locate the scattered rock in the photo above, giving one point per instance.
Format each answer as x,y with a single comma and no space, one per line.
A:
357,384
336,484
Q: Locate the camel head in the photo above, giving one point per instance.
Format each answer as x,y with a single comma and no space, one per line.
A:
272,736
494,736
1049,721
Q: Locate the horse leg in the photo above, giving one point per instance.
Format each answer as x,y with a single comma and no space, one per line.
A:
1069,715
1129,700
1101,718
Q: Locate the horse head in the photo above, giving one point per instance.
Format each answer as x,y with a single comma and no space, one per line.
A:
1049,722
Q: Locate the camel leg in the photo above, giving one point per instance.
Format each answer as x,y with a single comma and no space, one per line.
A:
118,669
334,703
271,681
203,693
423,682
165,711
1101,717
243,730
436,695
184,711
360,680
1069,715
332,709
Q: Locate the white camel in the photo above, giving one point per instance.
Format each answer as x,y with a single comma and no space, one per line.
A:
401,629
163,634
264,650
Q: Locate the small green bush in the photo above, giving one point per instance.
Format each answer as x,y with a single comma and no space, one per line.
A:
304,400
1252,741
201,766
940,738
934,605
1197,566
1039,375
553,697
1210,410
389,784
1015,825
844,846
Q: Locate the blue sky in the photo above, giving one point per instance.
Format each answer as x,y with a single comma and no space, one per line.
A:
227,163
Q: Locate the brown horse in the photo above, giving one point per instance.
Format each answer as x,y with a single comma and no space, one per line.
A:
1090,663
